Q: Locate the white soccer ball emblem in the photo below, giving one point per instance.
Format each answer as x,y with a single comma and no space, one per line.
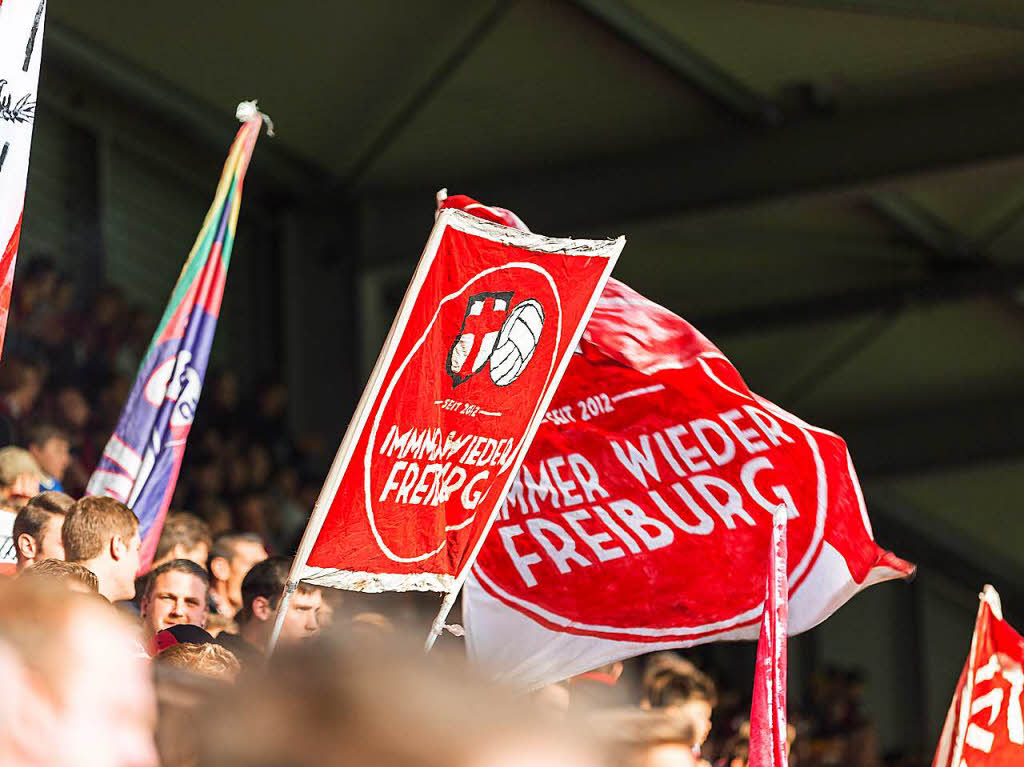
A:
516,342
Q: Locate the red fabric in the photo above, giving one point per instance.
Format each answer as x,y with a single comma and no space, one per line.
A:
768,704
7,279
478,209
649,490
985,726
445,424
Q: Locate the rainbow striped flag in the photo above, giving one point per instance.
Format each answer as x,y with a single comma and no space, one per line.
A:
141,461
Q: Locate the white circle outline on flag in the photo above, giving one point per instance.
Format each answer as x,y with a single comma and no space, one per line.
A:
398,374
813,549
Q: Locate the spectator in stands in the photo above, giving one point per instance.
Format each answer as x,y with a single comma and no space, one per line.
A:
103,535
261,593
51,448
676,686
231,557
75,692
21,381
19,478
185,536
176,593
73,576
37,528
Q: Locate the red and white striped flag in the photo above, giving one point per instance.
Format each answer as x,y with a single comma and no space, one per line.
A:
21,48
768,707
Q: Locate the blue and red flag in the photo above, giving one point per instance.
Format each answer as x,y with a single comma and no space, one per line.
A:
141,461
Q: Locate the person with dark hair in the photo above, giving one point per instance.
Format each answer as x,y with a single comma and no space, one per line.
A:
103,535
261,594
51,448
176,593
185,536
21,382
675,685
74,576
37,528
232,556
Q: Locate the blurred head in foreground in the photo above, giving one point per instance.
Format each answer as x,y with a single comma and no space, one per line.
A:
103,535
378,705
75,692
72,576
647,738
674,685
208,660
37,528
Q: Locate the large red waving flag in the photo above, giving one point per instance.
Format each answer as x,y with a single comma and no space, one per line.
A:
768,703
985,724
482,337
640,517
21,48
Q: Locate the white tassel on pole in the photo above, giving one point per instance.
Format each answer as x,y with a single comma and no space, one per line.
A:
247,110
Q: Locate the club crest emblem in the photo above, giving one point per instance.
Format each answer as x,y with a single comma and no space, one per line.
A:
494,334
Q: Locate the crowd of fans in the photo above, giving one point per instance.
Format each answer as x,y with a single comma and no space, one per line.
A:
67,372
177,671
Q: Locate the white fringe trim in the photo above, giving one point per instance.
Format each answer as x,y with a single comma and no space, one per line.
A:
375,583
538,243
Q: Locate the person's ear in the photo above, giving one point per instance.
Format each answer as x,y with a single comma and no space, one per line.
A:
118,548
261,608
220,568
28,547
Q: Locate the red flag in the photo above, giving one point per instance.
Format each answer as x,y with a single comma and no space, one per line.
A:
768,706
985,725
481,340
645,498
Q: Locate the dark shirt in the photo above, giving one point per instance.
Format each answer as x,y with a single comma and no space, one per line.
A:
249,657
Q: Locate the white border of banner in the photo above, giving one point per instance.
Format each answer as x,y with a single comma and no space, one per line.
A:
427,581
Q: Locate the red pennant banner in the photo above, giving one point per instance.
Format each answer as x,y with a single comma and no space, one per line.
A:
477,350
985,724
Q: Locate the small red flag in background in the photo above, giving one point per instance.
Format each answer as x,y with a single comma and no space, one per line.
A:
768,706
985,725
